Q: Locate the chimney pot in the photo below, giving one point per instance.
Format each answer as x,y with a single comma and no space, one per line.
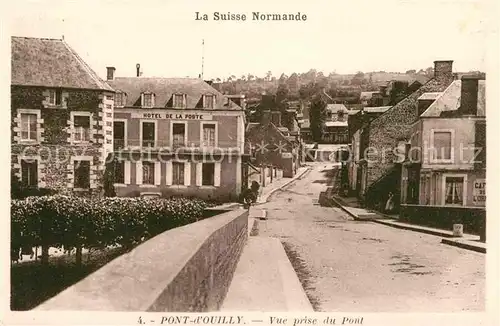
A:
443,70
110,73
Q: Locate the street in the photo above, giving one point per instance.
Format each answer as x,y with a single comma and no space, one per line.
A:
348,265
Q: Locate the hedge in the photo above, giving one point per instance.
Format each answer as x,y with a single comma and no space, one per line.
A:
76,222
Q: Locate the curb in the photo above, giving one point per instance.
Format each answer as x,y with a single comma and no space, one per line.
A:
463,245
416,229
447,236
354,216
296,177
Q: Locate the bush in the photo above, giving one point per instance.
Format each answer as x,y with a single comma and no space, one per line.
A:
76,222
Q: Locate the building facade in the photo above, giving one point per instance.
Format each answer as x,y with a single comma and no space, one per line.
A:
446,163
176,136
385,136
61,117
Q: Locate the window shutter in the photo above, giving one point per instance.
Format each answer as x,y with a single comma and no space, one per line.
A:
199,171
187,173
138,173
217,169
184,100
126,172
157,173
169,173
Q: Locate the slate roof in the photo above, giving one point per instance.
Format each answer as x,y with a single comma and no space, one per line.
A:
367,95
50,63
165,88
449,100
336,124
334,108
376,109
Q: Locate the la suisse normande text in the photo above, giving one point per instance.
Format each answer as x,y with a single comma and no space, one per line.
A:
255,16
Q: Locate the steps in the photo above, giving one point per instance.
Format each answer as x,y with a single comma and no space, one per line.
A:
265,280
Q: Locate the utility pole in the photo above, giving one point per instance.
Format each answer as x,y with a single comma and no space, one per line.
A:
202,56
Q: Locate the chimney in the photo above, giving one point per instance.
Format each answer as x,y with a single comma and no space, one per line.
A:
266,117
138,67
276,118
443,70
110,72
468,95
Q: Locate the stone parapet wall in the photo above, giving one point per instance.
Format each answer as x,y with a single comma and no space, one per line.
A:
185,269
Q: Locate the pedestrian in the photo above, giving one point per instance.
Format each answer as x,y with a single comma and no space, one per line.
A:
389,205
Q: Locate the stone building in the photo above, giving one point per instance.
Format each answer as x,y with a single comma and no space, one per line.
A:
383,140
62,118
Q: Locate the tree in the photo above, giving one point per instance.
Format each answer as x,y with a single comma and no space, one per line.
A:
411,72
281,95
317,117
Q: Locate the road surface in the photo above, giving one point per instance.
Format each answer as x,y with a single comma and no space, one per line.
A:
354,266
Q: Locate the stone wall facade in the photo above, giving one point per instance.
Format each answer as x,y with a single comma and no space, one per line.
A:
55,149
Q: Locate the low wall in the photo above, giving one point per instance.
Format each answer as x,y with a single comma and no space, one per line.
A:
473,218
186,269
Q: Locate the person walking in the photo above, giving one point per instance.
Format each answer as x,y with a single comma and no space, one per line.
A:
389,205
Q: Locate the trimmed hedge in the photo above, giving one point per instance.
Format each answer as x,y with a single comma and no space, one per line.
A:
76,222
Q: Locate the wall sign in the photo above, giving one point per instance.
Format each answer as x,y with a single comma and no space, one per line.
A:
479,192
171,116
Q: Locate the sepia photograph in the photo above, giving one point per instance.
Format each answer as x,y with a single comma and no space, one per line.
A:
325,159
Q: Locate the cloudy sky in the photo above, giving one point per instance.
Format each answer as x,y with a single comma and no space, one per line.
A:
341,36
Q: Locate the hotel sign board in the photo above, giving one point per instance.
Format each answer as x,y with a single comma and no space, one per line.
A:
172,116
479,192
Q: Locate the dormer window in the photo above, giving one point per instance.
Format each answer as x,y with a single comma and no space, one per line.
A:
208,101
120,98
147,99
179,100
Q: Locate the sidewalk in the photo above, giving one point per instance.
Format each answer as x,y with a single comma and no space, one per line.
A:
468,241
276,185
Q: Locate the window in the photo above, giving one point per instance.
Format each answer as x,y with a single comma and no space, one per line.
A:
209,101
178,134
340,115
208,135
55,96
28,126
82,174
208,174
119,175
148,134
442,145
119,99
178,101
81,125
29,172
454,190
148,173
177,173
118,135
147,100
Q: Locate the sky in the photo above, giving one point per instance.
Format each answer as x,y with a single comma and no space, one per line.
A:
341,36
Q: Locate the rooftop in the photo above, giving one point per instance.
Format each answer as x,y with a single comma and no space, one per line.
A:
449,100
165,88
51,63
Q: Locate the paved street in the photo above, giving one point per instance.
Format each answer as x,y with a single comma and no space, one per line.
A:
363,266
